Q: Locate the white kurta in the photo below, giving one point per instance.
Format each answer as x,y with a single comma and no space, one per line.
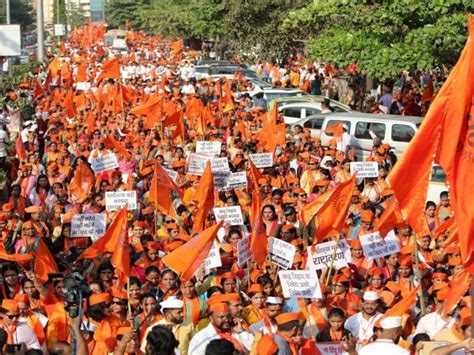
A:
382,346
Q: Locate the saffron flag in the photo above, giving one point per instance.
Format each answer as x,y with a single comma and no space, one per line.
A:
459,286
121,256
258,238
20,149
110,70
162,186
188,258
389,219
445,136
204,196
108,243
112,143
82,182
44,262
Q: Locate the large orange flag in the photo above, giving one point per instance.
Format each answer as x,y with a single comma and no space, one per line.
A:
110,70
81,75
389,219
332,215
188,258
68,104
38,90
310,209
108,243
162,186
444,134
402,306
44,262
82,183
20,149
111,143
204,196
121,257
258,237
152,107
176,47
89,122
459,286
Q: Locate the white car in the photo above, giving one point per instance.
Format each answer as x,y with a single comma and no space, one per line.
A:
437,184
272,94
294,112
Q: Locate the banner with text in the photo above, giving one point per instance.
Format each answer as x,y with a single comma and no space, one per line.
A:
230,215
104,163
326,254
374,246
115,200
365,169
262,160
243,251
300,284
208,148
281,252
88,225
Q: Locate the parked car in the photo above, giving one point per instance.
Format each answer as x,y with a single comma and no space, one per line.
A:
363,127
437,184
259,84
271,94
294,112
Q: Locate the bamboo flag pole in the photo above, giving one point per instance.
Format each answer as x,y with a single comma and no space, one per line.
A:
417,267
332,259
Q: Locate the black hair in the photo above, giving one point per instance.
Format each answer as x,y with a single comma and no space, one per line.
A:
105,266
9,267
430,204
285,327
444,194
161,341
277,192
420,337
220,347
264,280
98,282
150,269
3,338
214,289
134,281
336,312
97,311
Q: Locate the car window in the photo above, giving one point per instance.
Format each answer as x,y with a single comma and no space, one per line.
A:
402,133
314,123
438,174
334,122
292,112
363,128
312,111
338,109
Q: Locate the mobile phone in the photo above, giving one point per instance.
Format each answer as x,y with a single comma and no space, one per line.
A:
12,348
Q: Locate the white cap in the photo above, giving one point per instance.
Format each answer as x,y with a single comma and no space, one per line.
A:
324,162
172,303
274,300
370,296
345,126
391,322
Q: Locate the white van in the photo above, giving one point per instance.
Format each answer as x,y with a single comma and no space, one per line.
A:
392,129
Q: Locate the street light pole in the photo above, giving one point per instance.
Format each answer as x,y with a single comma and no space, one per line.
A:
40,30
7,15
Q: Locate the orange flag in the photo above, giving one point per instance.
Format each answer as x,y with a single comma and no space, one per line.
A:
44,262
110,70
310,209
177,119
20,149
258,238
176,47
81,75
17,258
112,143
82,183
402,306
68,104
89,122
204,196
116,232
38,90
389,219
332,215
336,130
162,186
459,286
188,258
444,132
151,107
121,256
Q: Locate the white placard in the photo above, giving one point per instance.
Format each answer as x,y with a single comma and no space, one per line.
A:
219,164
213,259
262,160
221,179
116,200
365,169
196,163
104,163
83,86
208,148
88,225
299,283
236,181
331,348
243,251
325,252
281,253
172,174
10,40
59,29
230,215
374,246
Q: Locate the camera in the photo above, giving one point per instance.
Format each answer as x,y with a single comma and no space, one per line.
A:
75,289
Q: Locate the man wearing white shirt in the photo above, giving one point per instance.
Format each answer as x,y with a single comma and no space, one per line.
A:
361,324
386,343
18,332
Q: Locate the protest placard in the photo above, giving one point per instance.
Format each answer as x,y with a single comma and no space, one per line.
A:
220,179
104,163
196,164
237,180
172,174
365,169
15,124
262,160
243,251
322,255
300,283
115,200
374,246
281,252
230,215
88,225
219,164
331,348
213,258
208,148
83,86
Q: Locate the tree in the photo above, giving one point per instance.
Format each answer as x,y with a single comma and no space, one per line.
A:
59,12
118,12
383,37
75,15
21,13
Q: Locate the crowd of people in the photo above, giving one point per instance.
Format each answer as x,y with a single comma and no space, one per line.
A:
88,270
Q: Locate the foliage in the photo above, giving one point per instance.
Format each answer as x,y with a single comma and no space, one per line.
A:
75,15
383,37
21,13
59,12
118,12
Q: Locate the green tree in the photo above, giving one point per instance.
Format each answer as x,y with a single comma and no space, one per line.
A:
383,37
75,15
59,12
21,13
118,12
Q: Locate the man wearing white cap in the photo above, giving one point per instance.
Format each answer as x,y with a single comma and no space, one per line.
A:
268,324
386,343
361,324
345,143
173,311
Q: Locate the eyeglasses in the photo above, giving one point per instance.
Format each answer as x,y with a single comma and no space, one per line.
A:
12,316
168,221
303,195
117,302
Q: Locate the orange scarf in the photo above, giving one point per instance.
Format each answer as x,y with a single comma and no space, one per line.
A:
318,317
229,337
291,343
195,309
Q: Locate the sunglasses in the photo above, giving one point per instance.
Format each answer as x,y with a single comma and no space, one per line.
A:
168,221
12,316
118,303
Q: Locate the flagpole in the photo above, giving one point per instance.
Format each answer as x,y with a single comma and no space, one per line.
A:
328,276
417,267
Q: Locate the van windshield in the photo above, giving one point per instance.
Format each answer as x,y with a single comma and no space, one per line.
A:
438,174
